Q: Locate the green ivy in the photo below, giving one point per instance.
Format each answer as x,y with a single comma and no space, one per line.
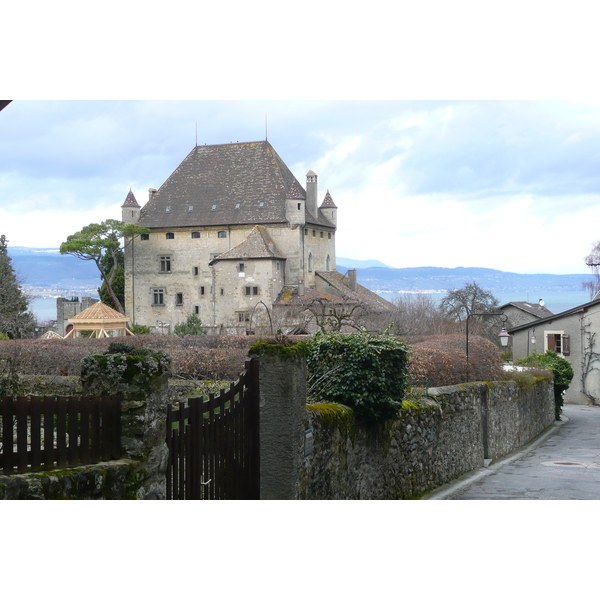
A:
562,371
366,372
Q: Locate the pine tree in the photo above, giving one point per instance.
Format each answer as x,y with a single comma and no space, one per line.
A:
118,281
15,319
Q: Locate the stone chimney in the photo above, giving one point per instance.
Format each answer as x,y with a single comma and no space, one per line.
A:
300,286
352,279
311,193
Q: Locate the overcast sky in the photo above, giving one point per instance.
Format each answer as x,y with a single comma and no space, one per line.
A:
508,185
492,182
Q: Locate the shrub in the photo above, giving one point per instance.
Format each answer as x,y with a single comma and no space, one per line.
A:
441,360
191,326
139,329
562,372
368,373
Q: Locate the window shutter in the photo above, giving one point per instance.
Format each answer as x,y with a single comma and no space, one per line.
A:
551,342
566,345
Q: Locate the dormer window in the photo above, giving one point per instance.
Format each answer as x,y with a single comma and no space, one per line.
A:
214,207
190,208
261,204
237,205
168,209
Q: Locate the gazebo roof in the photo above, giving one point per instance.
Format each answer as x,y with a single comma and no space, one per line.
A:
99,313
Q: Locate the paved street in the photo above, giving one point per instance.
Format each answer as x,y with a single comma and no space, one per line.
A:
564,466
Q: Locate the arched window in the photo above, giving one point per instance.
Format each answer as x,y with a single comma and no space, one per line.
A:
310,262
328,263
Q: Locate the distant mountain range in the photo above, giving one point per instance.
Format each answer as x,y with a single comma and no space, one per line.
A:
47,268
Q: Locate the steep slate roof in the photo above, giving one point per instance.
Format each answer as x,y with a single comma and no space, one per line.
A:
533,309
328,201
258,244
130,200
361,294
235,179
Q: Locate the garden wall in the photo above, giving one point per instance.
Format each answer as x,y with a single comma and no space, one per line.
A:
444,435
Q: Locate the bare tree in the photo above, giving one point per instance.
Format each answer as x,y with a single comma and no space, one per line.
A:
592,260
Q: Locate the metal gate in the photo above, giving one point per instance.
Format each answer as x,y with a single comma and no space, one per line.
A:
214,443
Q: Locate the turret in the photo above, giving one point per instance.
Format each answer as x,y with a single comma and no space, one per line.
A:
329,209
130,210
295,206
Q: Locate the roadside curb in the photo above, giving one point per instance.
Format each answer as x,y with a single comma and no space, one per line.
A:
446,491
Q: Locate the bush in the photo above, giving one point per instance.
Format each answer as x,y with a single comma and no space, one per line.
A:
368,373
441,360
139,329
191,326
562,371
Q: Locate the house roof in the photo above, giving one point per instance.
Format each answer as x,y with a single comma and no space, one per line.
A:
258,244
552,317
360,294
536,310
226,184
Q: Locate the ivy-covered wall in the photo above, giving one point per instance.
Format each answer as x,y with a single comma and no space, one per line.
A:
433,441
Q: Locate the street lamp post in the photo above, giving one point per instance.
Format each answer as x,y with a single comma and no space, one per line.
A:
504,335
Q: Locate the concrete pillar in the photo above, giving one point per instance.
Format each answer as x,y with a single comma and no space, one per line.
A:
282,378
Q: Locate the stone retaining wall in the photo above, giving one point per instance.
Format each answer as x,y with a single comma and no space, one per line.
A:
446,435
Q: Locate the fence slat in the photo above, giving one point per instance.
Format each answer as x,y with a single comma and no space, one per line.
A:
43,432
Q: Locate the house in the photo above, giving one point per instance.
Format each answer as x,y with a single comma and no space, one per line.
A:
572,334
519,313
232,233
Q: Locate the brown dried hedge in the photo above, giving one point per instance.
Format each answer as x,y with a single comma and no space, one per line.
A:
203,357
441,360
434,360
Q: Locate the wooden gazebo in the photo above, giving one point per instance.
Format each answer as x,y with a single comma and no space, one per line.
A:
100,320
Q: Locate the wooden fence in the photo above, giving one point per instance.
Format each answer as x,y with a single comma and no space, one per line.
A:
214,443
47,432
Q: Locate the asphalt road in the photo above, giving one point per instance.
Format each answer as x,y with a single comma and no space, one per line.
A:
563,464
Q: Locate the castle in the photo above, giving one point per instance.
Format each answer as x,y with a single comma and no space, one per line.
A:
235,239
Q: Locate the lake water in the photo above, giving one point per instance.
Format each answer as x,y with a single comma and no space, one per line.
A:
45,308
555,302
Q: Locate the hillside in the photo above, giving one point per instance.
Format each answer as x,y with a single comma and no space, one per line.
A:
47,268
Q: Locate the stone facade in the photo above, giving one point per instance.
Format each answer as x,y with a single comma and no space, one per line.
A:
229,231
67,308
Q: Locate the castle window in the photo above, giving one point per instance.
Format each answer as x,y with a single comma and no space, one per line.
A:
214,207
261,204
328,263
314,233
310,262
168,209
195,234
202,290
243,317
306,232
321,234
251,290
299,205
197,309
222,234
158,296
145,236
165,264
241,267
196,270
222,291
170,236
190,208
329,235
237,205
179,299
